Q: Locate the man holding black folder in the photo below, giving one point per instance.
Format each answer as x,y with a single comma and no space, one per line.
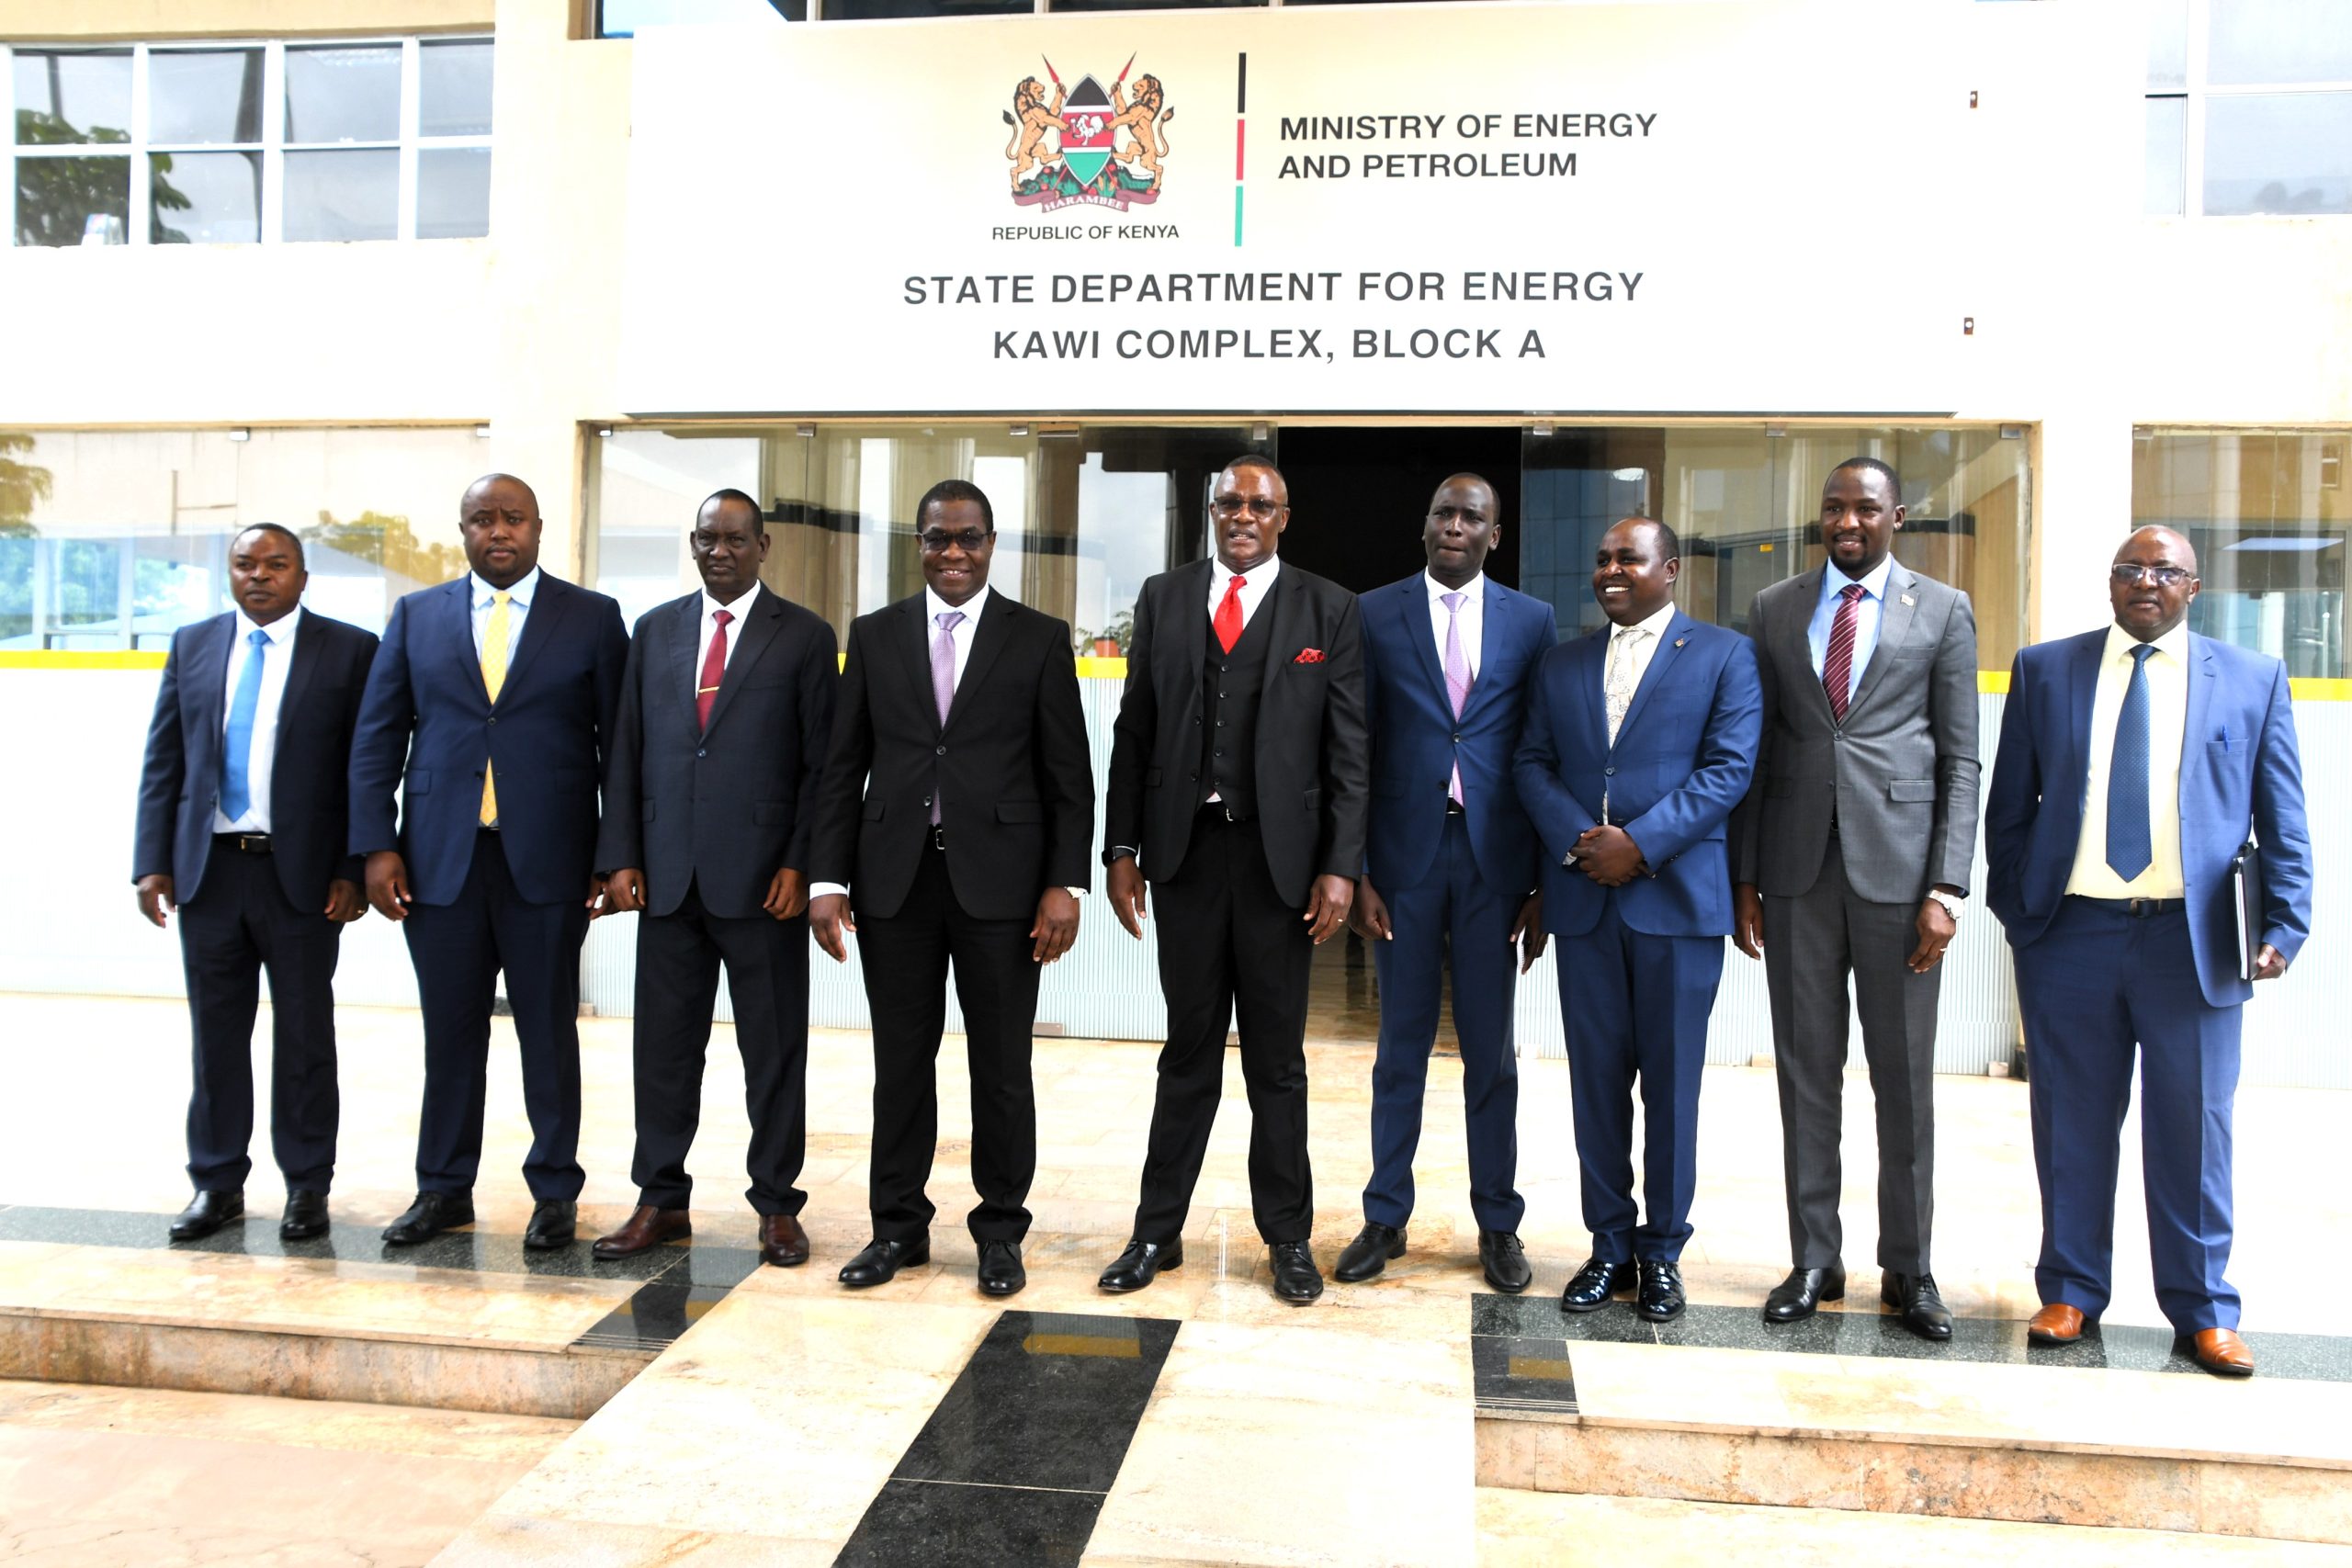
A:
2135,764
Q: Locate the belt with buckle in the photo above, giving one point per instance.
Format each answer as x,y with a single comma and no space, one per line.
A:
244,843
1218,810
2138,908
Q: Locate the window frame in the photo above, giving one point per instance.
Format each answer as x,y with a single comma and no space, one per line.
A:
2196,92
138,222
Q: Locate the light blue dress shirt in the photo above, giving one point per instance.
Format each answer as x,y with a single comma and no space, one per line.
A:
1866,617
518,610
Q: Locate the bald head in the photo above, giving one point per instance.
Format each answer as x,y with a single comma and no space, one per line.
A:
2152,583
500,520
2173,543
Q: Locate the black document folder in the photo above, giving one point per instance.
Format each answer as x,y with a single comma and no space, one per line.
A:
2246,895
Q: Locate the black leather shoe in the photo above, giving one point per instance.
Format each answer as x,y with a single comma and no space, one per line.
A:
881,1261
1505,1262
1659,1296
1594,1283
1913,1295
432,1214
1297,1280
207,1213
306,1215
1365,1257
1139,1265
554,1222
1001,1271
1800,1295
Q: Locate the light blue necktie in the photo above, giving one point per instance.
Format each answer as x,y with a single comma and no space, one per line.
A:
236,794
2128,839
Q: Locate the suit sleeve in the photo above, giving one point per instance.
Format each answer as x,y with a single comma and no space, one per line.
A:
2011,800
820,678
1131,738
1952,852
1726,765
160,778
1747,819
353,868
379,740
612,668
833,832
620,838
2279,825
1371,714
1347,749
1560,818
1065,767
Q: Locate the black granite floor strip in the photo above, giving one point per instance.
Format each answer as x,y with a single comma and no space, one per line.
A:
2305,1357
1522,1372
1014,1463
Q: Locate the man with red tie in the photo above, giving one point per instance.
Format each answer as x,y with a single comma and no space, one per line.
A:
725,713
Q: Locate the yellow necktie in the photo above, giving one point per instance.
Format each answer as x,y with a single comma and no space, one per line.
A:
493,676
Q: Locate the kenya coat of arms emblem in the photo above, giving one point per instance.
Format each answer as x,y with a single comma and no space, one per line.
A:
1087,162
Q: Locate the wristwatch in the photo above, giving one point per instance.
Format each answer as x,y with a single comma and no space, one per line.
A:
1954,904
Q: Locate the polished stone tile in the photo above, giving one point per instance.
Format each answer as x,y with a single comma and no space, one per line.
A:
654,1319
1517,1373
982,1527
1047,1400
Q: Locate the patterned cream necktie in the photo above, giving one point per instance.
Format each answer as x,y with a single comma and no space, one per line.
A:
1621,682
493,676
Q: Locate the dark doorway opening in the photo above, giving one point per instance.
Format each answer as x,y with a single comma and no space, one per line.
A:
1358,496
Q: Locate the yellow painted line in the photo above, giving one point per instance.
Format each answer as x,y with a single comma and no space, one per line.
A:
1545,1368
2321,689
1083,1345
75,659
1993,683
1092,669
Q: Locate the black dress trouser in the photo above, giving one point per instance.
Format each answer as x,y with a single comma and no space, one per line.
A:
240,924
1230,949
678,957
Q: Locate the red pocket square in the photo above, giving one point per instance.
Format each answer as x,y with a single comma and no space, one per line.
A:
1308,656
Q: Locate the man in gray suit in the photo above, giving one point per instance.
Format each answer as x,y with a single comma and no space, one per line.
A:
1852,850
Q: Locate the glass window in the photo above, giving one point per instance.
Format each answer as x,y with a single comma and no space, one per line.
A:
452,192
198,96
204,199
2266,512
338,94
622,19
453,89
344,195
2167,46
2265,42
72,95
2167,187
113,539
72,201
2287,152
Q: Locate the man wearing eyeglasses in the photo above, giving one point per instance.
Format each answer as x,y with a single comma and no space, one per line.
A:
954,824
2134,763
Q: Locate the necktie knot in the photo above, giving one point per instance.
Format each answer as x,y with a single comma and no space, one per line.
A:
722,616
1452,602
949,620
1852,593
257,637
2140,652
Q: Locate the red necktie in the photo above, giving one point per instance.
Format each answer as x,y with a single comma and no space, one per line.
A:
1838,661
714,667
1227,619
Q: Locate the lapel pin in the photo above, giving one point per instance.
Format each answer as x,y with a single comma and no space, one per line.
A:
1681,641
1908,600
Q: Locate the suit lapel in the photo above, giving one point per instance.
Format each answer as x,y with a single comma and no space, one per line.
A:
759,630
1586,671
1413,608
1193,621
1283,638
2196,721
1493,636
1896,614
208,694
1796,644
309,648
458,602
915,643
548,606
988,638
684,630
2082,692
1677,632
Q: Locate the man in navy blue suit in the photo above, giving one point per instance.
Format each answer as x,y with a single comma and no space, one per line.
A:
240,826
2135,761
493,703
1449,879
1639,743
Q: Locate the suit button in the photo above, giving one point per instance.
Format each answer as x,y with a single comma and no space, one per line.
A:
1192,778
1220,724
939,750
493,719
1457,740
700,752
1610,772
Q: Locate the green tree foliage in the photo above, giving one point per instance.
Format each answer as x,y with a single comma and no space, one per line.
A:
390,543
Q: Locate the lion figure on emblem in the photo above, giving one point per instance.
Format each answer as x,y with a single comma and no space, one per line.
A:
1142,119
1031,119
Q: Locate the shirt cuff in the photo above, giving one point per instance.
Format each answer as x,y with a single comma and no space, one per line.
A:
826,889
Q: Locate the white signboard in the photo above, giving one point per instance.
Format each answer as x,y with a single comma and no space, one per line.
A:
1496,209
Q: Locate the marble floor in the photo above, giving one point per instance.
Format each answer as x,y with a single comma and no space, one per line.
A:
780,1418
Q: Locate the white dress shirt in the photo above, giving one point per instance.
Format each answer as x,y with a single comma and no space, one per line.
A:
1866,611
1471,619
1644,648
278,659
736,613
1254,583
933,607
518,610
2167,725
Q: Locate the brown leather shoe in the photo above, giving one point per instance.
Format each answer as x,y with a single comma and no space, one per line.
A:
648,1227
2056,1324
782,1241
2223,1353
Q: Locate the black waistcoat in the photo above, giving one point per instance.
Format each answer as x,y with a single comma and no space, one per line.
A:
1230,685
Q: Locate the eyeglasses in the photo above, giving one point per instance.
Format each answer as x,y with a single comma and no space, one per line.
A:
935,541
1234,506
2130,574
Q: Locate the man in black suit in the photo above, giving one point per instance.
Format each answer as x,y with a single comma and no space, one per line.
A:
240,826
725,713
1239,770
490,707
956,814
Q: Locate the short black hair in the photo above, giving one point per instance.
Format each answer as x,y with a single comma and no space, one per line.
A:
1669,543
759,519
292,537
1893,483
1258,460
956,489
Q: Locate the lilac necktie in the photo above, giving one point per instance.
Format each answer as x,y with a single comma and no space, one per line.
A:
1457,675
943,678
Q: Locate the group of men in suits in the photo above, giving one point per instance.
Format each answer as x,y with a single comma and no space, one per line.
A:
1427,764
